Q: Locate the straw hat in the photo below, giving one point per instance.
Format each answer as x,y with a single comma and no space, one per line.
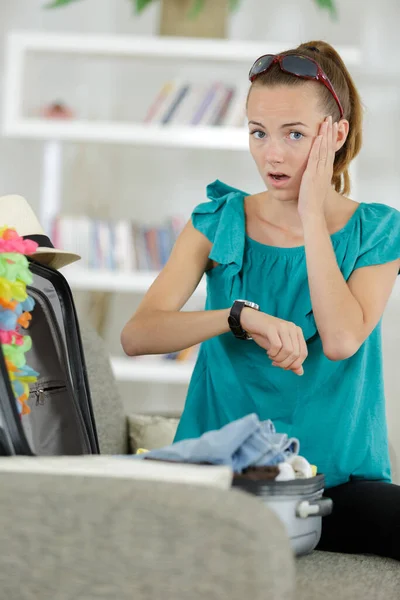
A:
16,213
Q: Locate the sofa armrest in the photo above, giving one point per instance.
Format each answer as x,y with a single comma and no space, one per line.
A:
108,408
103,538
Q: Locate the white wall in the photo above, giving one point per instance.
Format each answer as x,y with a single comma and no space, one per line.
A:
136,182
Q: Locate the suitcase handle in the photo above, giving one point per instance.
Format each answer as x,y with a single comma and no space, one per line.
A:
315,508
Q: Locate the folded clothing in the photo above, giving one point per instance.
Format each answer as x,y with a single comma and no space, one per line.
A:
240,444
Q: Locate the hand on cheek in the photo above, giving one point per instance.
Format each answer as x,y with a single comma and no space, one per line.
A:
317,177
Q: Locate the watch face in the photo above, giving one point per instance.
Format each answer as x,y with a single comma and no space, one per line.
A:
248,303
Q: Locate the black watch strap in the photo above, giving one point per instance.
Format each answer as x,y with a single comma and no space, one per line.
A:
234,318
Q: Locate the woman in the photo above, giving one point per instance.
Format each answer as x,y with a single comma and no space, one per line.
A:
298,278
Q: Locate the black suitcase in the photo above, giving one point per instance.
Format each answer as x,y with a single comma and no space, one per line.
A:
61,420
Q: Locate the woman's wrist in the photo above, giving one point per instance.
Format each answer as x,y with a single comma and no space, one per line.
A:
248,319
226,313
312,222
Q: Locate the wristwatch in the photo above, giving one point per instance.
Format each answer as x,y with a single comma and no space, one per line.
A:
234,318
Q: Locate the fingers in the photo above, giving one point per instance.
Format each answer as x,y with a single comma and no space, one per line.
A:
275,348
296,353
275,344
284,343
290,351
330,140
335,130
323,149
325,142
315,150
284,348
303,352
303,345
329,132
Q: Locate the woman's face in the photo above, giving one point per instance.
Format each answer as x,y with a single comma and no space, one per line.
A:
283,124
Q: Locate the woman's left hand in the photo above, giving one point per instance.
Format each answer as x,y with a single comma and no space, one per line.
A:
317,178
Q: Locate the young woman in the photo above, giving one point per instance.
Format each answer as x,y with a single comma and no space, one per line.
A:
298,277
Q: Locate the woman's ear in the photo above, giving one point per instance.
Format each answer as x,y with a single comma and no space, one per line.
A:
343,132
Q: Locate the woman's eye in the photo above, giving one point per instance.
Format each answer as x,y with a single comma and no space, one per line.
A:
296,133
259,135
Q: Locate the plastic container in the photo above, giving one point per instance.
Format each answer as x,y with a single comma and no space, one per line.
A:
298,503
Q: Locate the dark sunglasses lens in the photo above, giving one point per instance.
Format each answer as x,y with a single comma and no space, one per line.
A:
299,65
260,65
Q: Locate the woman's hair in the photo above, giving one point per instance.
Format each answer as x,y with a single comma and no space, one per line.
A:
335,69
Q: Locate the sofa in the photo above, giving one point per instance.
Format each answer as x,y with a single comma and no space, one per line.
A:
107,538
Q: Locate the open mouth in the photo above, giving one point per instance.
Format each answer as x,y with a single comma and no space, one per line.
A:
278,176
277,179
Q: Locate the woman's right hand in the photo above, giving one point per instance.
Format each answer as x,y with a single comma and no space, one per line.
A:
284,341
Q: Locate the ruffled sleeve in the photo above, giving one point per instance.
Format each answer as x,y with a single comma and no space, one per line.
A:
222,221
380,236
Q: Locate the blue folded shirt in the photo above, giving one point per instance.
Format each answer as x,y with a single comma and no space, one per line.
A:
240,444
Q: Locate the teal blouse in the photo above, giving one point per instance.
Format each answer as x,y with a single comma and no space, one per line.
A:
336,409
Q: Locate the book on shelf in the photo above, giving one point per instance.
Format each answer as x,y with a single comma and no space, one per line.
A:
118,246
235,114
187,108
207,100
220,110
185,103
161,102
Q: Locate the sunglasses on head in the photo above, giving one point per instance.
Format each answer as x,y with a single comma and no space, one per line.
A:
295,64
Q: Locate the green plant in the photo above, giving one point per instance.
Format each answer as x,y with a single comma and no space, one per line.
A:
197,5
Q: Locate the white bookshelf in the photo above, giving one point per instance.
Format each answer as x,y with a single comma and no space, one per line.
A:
110,281
158,370
20,43
154,46
169,136
54,133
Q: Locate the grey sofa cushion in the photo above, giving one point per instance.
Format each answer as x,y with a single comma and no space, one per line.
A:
108,408
73,537
335,576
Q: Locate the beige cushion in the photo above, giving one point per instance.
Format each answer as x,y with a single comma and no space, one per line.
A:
150,432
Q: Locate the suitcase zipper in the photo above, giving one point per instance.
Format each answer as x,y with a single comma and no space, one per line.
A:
41,391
